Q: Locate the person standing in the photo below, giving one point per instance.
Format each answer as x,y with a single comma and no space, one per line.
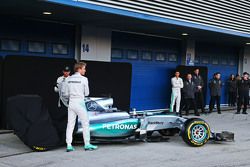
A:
243,86
177,85
189,95
77,88
199,84
215,85
62,104
232,89
59,88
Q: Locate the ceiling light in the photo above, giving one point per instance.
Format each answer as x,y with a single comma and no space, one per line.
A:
47,13
184,34
248,43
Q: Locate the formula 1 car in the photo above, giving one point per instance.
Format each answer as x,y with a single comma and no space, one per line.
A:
107,122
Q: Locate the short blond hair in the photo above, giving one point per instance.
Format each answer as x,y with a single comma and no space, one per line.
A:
79,65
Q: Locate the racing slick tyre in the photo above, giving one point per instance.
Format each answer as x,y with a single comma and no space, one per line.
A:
196,132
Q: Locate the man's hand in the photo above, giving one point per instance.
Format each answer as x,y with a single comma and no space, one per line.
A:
199,87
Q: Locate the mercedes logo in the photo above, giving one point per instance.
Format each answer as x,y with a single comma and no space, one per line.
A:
92,106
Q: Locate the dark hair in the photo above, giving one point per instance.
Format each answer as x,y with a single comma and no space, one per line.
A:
216,73
245,73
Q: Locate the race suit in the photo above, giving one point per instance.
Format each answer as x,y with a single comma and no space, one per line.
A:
77,88
177,84
60,88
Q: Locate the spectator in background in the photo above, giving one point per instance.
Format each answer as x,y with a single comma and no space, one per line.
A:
243,86
189,95
199,84
232,89
177,85
237,77
215,85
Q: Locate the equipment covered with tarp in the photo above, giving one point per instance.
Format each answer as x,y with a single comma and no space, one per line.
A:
31,122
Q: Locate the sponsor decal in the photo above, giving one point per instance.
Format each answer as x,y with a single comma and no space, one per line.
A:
156,123
91,106
74,82
119,126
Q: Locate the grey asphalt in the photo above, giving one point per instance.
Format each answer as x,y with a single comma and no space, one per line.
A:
174,152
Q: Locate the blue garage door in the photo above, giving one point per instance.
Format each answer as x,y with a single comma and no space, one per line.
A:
222,59
153,63
26,37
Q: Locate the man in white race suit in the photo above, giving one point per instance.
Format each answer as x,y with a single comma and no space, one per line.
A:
177,85
76,90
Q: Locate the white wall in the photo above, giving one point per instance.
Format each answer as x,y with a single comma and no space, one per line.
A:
98,41
246,59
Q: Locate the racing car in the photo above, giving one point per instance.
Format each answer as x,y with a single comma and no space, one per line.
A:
107,122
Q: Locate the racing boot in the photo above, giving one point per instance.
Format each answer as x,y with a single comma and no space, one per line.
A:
90,147
70,148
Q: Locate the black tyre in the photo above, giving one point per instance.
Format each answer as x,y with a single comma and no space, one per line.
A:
196,132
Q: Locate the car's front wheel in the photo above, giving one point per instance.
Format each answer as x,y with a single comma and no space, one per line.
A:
196,132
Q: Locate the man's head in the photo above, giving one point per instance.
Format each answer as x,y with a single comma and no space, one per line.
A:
189,76
66,71
80,67
197,71
217,75
177,74
245,76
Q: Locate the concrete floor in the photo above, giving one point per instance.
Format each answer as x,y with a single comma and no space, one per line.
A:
174,152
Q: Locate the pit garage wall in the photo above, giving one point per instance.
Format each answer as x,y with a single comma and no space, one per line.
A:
217,58
95,44
36,38
246,60
154,61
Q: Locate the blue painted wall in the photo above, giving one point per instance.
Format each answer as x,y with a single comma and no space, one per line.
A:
151,87
218,58
49,33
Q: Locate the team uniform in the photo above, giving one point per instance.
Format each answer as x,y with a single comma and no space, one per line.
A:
62,108
77,88
177,85
232,92
198,81
59,88
243,93
215,92
189,96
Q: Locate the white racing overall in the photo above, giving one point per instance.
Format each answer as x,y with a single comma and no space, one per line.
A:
177,84
77,88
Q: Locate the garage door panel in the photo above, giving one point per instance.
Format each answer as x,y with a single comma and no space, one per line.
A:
223,59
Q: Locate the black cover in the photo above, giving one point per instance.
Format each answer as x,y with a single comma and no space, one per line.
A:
31,122
36,75
110,79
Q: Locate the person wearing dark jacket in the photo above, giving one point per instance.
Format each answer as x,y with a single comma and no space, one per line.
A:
189,94
232,90
215,85
199,84
243,86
